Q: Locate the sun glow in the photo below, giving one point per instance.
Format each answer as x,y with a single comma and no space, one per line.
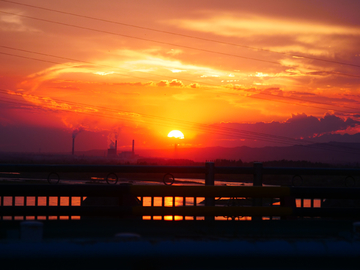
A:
176,134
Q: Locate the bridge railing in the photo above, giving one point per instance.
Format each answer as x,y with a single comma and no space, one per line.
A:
128,201
180,202
54,173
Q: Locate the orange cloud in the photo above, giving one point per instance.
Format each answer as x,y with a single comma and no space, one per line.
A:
13,23
231,24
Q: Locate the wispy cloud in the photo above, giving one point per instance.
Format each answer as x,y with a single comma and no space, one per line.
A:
13,23
231,24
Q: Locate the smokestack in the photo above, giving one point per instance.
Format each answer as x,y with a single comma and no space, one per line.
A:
133,147
115,147
74,134
73,145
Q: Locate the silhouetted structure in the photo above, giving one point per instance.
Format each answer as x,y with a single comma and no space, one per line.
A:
112,152
73,146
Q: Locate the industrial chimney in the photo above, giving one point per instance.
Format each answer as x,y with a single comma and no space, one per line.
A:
73,145
133,147
115,147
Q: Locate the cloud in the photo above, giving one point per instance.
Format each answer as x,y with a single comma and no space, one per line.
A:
340,103
231,24
173,83
77,130
51,104
104,73
149,61
176,82
129,114
194,85
163,83
298,126
66,87
13,23
133,84
174,52
310,126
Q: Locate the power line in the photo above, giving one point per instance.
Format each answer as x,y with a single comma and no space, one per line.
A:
36,59
304,100
102,112
265,137
139,38
161,42
192,81
182,35
109,113
192,125
86,62
30,58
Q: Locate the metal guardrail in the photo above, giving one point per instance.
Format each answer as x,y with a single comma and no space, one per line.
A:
285,195
99,168
55,171
174,169
126,208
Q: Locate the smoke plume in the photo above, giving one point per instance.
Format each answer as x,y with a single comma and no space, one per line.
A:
77,131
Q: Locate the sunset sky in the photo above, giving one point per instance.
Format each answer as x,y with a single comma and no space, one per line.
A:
225,73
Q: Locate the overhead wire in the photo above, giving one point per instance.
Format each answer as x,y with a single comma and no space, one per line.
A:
163,121
356,110
105,112
179,34
160,42
146,40
91,63
212,127
189,47
304,100
142,39
244,135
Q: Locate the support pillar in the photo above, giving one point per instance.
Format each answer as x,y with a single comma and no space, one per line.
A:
257,182
209,181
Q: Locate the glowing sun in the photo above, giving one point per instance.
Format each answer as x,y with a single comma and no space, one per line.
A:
176,134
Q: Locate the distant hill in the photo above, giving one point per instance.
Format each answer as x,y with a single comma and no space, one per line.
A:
333,153
321,152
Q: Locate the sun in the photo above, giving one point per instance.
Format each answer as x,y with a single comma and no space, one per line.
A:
176,134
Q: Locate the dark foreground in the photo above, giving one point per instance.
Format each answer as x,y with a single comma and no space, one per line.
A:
140,244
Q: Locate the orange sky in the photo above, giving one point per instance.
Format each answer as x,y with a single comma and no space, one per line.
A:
139,69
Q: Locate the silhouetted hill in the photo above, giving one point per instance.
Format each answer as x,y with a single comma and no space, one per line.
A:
333,153
324,152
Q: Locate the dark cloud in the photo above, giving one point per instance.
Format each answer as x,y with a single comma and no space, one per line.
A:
299,126
35,139
338,138
347,104
302,125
